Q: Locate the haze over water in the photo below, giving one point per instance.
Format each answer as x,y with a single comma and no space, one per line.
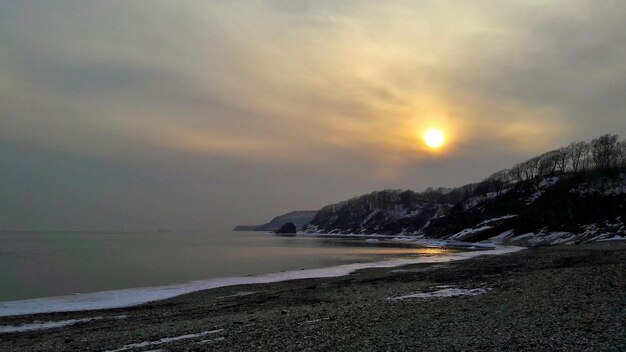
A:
208,114
43,264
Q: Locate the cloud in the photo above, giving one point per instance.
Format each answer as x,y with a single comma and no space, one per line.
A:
364,78
325,86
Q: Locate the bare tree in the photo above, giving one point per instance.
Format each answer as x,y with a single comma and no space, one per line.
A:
550,163
577,154
605,151
516,173
531,167
561,160
621,160
500,180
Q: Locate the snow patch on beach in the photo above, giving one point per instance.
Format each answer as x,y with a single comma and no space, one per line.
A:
238,294
483,226
499,239
452,244
616,238
608,230
429,242
135,296
444,292
555,238
545,238
314,321
217,339
164,340
51,324
467,232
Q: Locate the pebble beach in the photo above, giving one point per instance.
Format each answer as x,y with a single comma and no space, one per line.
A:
560,298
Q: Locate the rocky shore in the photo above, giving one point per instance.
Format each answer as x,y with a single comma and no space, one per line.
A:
561,298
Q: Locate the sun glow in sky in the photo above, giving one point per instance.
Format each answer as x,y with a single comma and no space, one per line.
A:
434,138
204,114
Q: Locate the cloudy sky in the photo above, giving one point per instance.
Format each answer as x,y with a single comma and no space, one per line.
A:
206,114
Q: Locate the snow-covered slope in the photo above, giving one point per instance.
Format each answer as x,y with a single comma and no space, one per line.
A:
383,212
560,208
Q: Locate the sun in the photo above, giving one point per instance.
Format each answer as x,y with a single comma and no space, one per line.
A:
434,138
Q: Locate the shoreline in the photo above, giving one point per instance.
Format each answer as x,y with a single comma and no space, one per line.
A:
122,298
562,297
427,242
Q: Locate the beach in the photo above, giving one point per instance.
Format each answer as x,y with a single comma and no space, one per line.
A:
566,298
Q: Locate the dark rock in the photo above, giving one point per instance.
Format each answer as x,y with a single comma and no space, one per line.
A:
298,218
287,228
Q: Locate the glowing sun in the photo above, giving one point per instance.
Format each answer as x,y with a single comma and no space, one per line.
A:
434,138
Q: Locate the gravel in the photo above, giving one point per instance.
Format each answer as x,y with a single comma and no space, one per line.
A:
561,298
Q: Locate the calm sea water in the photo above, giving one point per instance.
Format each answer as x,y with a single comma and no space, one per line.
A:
43,264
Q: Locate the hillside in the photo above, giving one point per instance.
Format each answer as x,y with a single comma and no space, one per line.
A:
571,195
298,218
566,208
381,212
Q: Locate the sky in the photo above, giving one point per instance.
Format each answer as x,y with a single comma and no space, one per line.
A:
137,115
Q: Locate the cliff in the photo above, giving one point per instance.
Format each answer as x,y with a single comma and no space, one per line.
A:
298,218
565,208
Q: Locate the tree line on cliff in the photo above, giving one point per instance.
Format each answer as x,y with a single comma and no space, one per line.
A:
553,190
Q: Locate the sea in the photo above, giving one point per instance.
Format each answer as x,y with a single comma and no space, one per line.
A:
72,270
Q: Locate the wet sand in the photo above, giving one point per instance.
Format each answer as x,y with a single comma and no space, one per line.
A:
562,298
